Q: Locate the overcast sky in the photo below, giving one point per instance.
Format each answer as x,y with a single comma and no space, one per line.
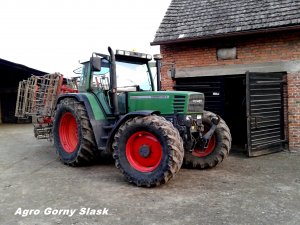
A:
52,35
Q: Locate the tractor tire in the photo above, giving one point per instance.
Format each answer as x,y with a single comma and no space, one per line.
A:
217,149
148,150
73,135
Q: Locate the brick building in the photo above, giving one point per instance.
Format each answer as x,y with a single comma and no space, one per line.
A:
245,57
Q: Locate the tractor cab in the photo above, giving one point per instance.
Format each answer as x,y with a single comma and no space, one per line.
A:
132,72
129,71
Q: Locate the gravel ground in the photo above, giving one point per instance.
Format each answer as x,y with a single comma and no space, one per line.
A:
261,190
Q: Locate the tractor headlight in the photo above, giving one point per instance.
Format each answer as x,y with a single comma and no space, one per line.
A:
188,117
188,120
199,120
157,57
120,52
134,54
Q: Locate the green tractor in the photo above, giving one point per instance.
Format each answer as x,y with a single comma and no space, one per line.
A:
116,111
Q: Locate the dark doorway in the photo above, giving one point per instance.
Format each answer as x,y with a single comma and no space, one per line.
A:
225,96
8,104
235,110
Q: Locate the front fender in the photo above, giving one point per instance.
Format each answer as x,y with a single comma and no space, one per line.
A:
126,117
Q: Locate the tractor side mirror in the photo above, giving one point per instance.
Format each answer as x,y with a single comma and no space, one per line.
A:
96,63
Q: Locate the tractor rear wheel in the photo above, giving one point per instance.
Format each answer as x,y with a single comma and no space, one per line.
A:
148,150
73,135
217,148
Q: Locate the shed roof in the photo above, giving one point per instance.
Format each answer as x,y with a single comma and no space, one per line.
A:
204,19
23,69
11,73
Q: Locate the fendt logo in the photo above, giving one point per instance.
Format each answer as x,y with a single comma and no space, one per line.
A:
197,101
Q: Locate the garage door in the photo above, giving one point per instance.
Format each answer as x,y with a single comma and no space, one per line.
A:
265,113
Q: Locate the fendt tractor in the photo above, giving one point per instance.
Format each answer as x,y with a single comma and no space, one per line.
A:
114,109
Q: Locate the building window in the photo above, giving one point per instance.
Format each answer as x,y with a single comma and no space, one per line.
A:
226,53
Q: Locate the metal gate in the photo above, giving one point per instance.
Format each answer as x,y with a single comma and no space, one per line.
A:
265,113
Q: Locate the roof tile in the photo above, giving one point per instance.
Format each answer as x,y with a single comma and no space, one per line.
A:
206,18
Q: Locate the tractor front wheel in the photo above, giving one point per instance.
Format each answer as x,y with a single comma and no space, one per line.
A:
216,149
73,135
148,150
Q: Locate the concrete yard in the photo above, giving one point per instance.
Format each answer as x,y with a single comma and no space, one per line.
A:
261,190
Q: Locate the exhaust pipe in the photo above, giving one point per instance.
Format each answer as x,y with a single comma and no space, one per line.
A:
113,82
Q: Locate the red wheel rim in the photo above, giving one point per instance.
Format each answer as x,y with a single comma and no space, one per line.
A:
68,132
210,146
143,151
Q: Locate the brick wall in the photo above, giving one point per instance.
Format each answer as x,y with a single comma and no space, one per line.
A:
251,49
294,110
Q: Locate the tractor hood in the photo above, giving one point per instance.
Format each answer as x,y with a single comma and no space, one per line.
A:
167,102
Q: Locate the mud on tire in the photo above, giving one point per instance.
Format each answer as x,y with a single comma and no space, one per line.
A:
148,150
73,135
219,150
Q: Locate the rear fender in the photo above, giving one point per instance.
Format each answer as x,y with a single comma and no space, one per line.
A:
96,124
80,98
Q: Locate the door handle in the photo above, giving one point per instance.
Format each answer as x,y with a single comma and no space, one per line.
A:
256,120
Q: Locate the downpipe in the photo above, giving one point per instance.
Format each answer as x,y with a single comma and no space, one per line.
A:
158,75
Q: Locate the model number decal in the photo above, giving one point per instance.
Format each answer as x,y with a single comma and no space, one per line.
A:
150,97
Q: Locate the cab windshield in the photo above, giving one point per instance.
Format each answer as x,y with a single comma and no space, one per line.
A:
130,76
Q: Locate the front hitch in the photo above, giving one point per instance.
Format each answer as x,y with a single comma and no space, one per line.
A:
205,139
